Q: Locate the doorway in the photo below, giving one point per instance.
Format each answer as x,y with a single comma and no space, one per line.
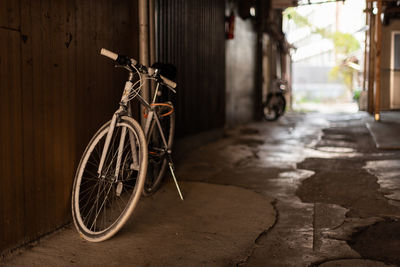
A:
395,71
328,53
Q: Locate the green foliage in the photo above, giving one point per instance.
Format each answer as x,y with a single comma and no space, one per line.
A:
334,73
344,44
356,94
344,73
300,20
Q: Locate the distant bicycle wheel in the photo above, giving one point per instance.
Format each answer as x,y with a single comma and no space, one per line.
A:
274,107
101,204
158,161
282,105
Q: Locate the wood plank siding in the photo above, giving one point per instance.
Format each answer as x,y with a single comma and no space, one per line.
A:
190,34
55,91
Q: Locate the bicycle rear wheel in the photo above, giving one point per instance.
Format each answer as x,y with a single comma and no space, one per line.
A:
282,105
274,107
101,204
158,161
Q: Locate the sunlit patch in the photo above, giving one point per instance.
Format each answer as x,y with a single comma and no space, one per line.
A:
336,149
316,153
388,174
336,136
298,174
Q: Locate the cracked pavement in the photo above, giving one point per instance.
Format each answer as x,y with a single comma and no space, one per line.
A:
308,190
328,181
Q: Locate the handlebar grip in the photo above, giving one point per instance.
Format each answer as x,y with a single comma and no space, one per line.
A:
109,54
168,82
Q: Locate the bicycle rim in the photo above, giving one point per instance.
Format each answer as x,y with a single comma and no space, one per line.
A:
102,205
270,113
272,109
282,105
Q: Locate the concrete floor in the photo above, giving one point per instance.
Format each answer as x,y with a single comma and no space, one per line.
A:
385,132
308,190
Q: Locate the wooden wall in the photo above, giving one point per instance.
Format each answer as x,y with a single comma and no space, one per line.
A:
191,35
55,91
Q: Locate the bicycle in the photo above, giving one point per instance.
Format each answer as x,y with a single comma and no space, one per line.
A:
275,104
112,173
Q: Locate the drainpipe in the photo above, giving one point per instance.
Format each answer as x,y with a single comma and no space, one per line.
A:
262,9
378,62
144,48
366,46
152,33
371,63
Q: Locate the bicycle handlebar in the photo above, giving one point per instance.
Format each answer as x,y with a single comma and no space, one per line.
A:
149,71
109,54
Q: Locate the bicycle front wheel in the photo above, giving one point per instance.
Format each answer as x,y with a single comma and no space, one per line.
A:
158,161
101,204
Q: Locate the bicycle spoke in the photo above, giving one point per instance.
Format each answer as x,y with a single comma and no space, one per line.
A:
91,173
87,202
95,204
101,207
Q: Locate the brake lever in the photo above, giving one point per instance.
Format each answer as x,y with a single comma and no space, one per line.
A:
172,89
122,66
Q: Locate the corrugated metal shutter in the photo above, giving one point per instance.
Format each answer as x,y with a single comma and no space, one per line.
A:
190,34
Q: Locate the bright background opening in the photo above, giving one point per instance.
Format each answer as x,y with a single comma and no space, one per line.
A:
328,54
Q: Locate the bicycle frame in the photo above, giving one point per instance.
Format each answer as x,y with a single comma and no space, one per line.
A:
125,109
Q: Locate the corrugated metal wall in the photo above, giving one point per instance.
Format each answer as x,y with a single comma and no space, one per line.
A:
55,91
191,35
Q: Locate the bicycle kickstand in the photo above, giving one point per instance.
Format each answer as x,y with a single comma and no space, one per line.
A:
171,168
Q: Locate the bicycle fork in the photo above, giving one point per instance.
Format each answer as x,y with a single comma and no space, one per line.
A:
107,142
135,160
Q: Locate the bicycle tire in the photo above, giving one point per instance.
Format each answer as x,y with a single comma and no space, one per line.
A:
158,163
274,107
99,216
282,105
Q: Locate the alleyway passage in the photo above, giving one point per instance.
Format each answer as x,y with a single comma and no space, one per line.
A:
308,190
